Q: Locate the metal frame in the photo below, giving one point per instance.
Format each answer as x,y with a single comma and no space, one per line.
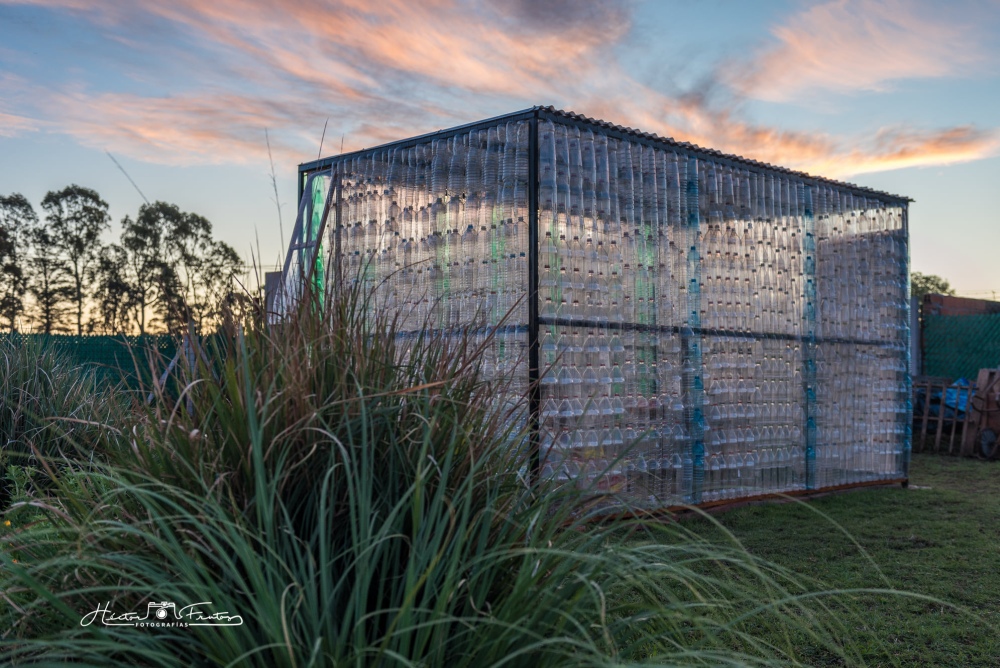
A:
691,335
296,246
534,375
324,163
566,118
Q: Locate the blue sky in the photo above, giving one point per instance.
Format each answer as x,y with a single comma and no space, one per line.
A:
899,96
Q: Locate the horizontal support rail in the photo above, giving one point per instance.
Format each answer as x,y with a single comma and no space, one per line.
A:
707,331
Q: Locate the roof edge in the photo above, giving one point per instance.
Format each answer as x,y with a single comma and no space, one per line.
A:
649,137
713,154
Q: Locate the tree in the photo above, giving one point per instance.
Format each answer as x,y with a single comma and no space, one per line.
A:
167,270
211,282
189,242
199,273
77,218
928,284
145,254
160,244
113,291
16,217
48,279
173,305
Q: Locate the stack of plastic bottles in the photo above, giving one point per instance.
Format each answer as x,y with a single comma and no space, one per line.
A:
707,328
438,231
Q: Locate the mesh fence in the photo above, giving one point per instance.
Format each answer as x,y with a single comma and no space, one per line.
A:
958,346
114,357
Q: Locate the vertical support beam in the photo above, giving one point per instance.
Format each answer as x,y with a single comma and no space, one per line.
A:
297,243
338,275
907,417
534,389
693,386
272,286
315,235
809,384
926,415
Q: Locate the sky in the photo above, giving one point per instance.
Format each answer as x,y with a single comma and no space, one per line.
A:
901,96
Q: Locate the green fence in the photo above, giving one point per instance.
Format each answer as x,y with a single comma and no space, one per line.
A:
958,346
114,357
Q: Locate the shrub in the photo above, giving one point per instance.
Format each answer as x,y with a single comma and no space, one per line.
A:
48,406
357,498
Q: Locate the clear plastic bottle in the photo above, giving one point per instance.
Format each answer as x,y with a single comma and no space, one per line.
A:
713,481
676,477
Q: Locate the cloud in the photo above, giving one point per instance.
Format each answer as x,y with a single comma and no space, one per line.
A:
474,46
386,70
702,119
859,45
210,129
398,64
604,20
896,148
12,125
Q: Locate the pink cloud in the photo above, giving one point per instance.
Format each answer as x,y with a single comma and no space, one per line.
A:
387,70
859,45
210,129
447,42
895,148
12,125
693,119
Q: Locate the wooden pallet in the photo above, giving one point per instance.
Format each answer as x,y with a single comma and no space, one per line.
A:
985,410
948,435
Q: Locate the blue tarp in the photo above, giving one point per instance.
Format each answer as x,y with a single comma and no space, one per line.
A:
956,401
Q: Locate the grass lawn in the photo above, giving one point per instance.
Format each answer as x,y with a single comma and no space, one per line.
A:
939,537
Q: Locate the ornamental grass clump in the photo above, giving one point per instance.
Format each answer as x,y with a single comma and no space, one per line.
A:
49,406
357,497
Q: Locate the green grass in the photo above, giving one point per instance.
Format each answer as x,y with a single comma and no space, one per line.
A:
940,537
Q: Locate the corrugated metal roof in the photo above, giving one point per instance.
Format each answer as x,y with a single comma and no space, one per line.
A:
716,154
653,138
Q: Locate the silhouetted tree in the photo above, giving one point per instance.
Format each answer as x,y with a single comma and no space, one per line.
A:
113,291
48,280
211,282
166,271
202,275
175,272
77,217
16,217
928,284
145,254
173,305
189,242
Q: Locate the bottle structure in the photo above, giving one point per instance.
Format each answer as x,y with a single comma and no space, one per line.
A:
707,328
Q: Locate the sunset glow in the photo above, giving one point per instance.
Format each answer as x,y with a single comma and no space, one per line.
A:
182,91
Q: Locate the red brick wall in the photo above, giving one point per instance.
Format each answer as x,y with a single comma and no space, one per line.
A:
945,305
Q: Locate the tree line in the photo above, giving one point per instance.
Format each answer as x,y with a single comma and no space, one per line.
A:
57,275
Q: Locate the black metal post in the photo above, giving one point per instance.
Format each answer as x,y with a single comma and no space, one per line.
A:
338,274
809,377
534,389
908,418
